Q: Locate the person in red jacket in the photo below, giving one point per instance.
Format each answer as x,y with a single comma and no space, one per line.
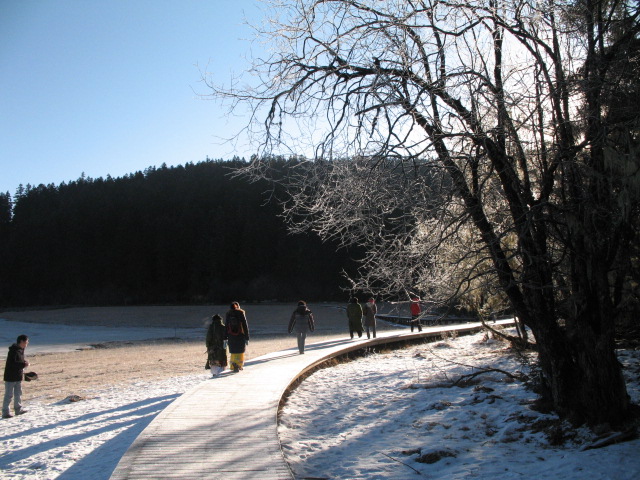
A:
13,374
415,313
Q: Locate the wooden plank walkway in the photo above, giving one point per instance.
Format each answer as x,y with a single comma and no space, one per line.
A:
226,428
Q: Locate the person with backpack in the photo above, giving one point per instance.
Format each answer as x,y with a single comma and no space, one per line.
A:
216,348
301,322
237,336
354,314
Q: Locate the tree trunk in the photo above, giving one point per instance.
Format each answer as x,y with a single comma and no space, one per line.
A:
582,376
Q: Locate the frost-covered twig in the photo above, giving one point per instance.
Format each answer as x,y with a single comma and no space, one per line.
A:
469,376
406,465
616,437
516,342
519,377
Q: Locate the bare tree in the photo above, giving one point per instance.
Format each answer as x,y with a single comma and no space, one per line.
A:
467,145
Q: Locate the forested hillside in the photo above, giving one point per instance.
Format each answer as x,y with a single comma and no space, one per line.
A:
166,235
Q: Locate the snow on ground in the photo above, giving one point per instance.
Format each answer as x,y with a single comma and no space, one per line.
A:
371,418
397,417
84,439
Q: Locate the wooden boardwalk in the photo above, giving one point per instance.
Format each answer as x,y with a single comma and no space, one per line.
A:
226,428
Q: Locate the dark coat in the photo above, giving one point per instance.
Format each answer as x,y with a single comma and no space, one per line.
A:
237,337
301,320
216,335
354,313
14,368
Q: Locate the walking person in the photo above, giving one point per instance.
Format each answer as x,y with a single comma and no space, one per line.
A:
301,322
370,310
13,375
354,313
237,336
216,348
415,313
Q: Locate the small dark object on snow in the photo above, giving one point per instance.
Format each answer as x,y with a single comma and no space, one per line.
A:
74,398
412,451
30,376
435,456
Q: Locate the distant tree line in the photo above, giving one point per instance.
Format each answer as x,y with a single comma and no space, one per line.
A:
186,234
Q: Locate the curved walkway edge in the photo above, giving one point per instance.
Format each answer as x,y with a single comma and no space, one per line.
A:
226,427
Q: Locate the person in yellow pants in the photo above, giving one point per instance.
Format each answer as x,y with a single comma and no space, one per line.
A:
237,336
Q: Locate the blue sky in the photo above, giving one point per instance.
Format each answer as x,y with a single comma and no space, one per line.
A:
111,87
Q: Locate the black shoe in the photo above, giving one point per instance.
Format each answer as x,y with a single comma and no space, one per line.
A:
22,412
7,415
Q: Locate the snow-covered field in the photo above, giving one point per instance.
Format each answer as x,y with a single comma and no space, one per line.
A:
371,418
396,416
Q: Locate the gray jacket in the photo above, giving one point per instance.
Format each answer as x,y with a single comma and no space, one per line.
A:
301,320
370,310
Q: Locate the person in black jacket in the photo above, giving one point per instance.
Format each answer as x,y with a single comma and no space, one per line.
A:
216,346
13,375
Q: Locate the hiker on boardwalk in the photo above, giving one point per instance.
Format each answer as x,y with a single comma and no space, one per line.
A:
216,348
354,313
301,322
13,374
415,313
237,336
370,310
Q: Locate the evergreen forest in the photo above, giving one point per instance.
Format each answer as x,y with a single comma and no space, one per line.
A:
170,235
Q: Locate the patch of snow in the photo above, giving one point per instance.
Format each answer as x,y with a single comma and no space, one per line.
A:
397,415
85,438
